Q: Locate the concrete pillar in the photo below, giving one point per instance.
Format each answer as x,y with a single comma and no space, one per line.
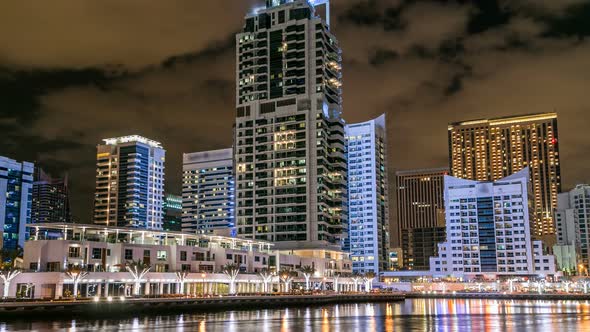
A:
147,288
59,289
99,289
106,289
160,289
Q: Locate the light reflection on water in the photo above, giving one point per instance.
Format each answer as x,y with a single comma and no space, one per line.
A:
411,315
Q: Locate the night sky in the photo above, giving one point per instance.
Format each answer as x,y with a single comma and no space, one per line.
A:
73,72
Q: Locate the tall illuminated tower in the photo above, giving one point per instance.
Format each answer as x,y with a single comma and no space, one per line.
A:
420,223
368,195
208,192
289,135
50,199
490,149
129,183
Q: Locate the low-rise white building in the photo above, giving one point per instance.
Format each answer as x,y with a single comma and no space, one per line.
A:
103,252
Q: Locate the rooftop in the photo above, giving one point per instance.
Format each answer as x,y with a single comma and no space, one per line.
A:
90,232
506,120
132,138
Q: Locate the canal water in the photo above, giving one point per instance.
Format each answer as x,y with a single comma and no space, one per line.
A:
410,315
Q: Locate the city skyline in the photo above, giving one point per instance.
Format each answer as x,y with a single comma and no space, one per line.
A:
412,72
232,165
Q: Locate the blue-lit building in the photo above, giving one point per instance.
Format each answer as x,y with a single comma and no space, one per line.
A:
368,208
172,213
208,192
130,183
16,186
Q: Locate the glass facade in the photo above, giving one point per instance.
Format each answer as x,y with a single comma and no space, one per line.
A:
130,183
16,186
208,192
368,207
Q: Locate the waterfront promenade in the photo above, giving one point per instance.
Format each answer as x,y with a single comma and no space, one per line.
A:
124,305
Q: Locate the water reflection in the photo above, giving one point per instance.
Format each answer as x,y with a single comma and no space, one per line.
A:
411,315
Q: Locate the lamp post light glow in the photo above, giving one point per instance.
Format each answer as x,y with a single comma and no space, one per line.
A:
203,275
76,274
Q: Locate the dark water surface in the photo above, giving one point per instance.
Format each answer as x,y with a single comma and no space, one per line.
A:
411,315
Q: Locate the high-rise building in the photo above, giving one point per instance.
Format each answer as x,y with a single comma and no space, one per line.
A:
172,213
420,222
368,206
490,149
16,195
572,221
129,183
208,191
488,230
50,199
289,135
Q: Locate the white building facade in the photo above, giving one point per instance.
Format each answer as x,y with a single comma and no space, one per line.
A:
368,208
488,231
16,189
208,191
130,183
104,251
572,223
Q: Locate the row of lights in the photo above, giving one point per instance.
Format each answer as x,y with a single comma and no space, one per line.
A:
109,299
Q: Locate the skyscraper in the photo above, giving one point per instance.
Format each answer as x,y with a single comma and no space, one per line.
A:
172,221
208,191
16,187
488,230
129,183
490,149
50,199
368,195
420,222
289,135
572,219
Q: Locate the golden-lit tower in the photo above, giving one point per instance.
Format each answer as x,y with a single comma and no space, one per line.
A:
490,149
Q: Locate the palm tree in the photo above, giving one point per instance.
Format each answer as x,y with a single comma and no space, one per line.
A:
7,273
287,276
368,279
307,271
231,270
336,277
181,278
77,274
266,275
138,269
356,277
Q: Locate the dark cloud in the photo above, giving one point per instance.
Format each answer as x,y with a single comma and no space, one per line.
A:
380,56
575,22
487,15
72,76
